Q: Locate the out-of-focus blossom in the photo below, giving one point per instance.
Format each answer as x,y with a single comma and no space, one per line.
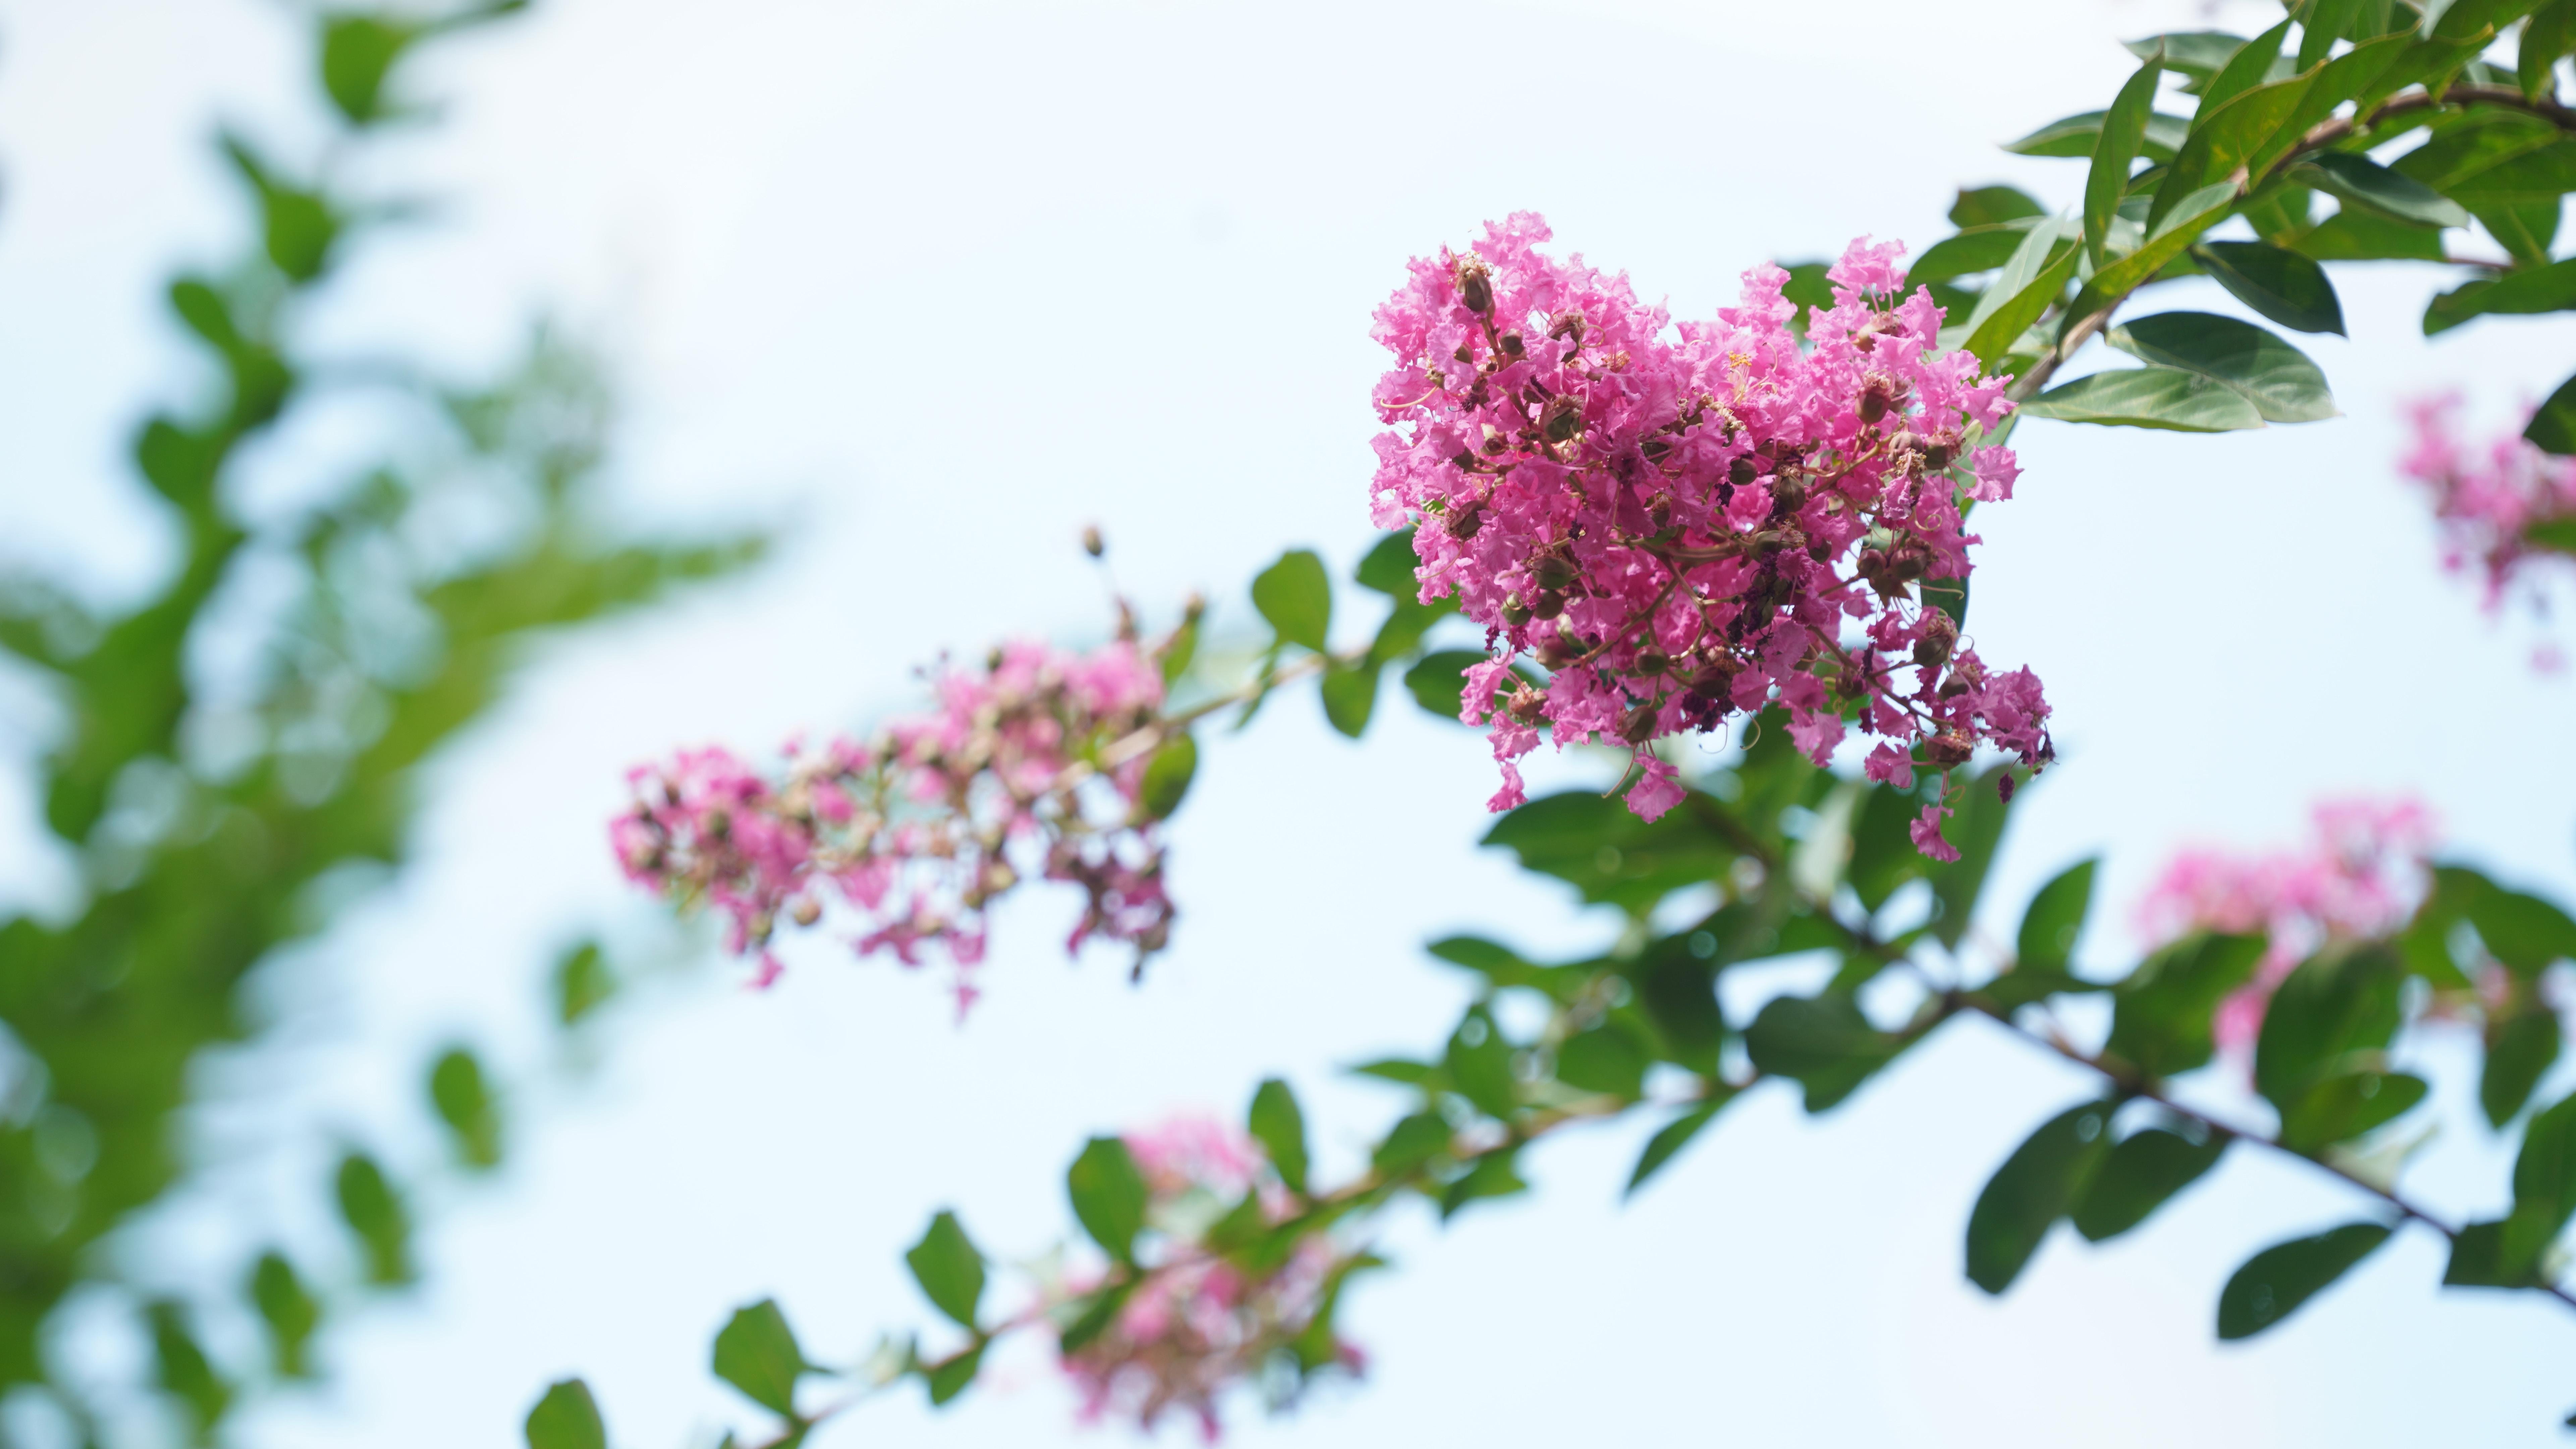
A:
2486,499
1029,766
1200,1324
2361,876
1679,527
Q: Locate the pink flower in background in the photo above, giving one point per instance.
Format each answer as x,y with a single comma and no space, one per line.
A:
2361,875
2485,501
1031,765
1679,523
1200,1324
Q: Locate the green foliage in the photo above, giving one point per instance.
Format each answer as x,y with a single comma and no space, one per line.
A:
375,1213
1108,1195
463,1100
1296,598
290,1311
1167,778
2357,179
582,983
2522,1044
2325,1016
185,1373
2139,1175
2161,1011
949,1269
1479,1065
2277,379
2055,919
2553,424
2282,285
1668,1142
1823,1043
2540,289
566,1418
1280,1127
757,1353
2031,279
2115,149
2274,1282
2036,1186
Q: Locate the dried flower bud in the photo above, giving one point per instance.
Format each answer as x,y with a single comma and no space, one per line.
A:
1465,519
1939,635
1638,725
1091,541
1788,494
1475,286
1654,662
1511,344
804,910
1568,324
1548,604
2004,786
1908,560
1949,748
1559,649
1527,705
1743,471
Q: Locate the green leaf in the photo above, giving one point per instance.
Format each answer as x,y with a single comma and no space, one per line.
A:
1479,1062
1606,1059
2034,1188
2161,1013
2277,379
1296,598
2140,1175
1822,1042
1108,1196
1099,1313
2326,22
2523,931
1403,1073
1601,848
2197,54
2356,178
583,983
1806,290
1668,1142
2544,1187
2055,919
2148,397
463,1100
2274,1282
2077,135
1183,648
949,1269
566,1418
2553,533
1974,829
289,1309
2182,225
2553,423
1167,778
1977,249
2547,35
299,227
2115,148
2348,1105
357,51
370,1207
1983,206
2541,289
2338,1003
2353,235
951,1376
2254,62
1280,1127
1439,682
1388,567
1350,694
1494,1175
2222,141
2030,280
2280,284
1410,1143
757,1353
184,1372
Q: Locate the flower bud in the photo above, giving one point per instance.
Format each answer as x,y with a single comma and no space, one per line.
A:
1938,637
1567,324
1552,571
1548,604
1714,675
1949,748
1659,511
1654,662
805,910
1743,471
1908,560
1515,612
1559,649
1475,286
1788,494
1527,705
1466,519
1562,420
2004,786
1091,542
1511,344
1638,725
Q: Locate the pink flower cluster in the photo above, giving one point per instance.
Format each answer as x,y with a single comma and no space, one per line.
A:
2361,876
2486,500
1030,765
1678,527
1199,1323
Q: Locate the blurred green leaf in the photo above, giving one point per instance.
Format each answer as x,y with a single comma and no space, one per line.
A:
2521,1047
2347,1105
2523,931
1602,849
1350,695
2274,1282
2198,54
2553,423
1495,1174
1821,1042
566,1418
1978,206
1167,778
1806,290
1280,1127
2161,1013
289,1309
2035,1187
757,1353
2338,1003
369,1205
583,983
2353,235
2325,22
1975,828
2553,533
1668,1142
950,1377
1410,1143
1604,1058
2055,918
2547,35
949,1269
357,52
464,1102
1296,598
183,1371
1480,1065
2282,285
2139,1175
1108,1196
2541,289
1388,566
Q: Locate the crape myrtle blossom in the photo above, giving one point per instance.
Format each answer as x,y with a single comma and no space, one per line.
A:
1680,523
2361,876
1198,1322
2486,499
1029,766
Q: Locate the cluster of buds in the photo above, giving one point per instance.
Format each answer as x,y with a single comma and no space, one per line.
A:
2360,877
1031,766
1680,528
1199,1323
2486,502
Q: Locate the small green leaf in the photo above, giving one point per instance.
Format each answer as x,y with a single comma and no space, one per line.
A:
2336,1004
1439,681
1280,1127
2357,179
2274,1282
2346,1106
2161,1013
949,1269
1183,648
2547,34
2254,62
2278,379
1296,598
566,1418
1977,249
757,1353
950,1377
1388,567
2055,919
1606,1059
1350,695
2166,398
2523,931
2124,129
2030,280
1494,1175
2140,1175
2034,1188
2197,54
1822,1042
1410,1143
1167,778
2540,289
2553,424
1806,290
1992,206
289,1309
583,983
2280,284
1108,1195
2077,135
184,1372
369,1205
2553,533
1480,1065
1668,1142
357,51
463,1100
2182,225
